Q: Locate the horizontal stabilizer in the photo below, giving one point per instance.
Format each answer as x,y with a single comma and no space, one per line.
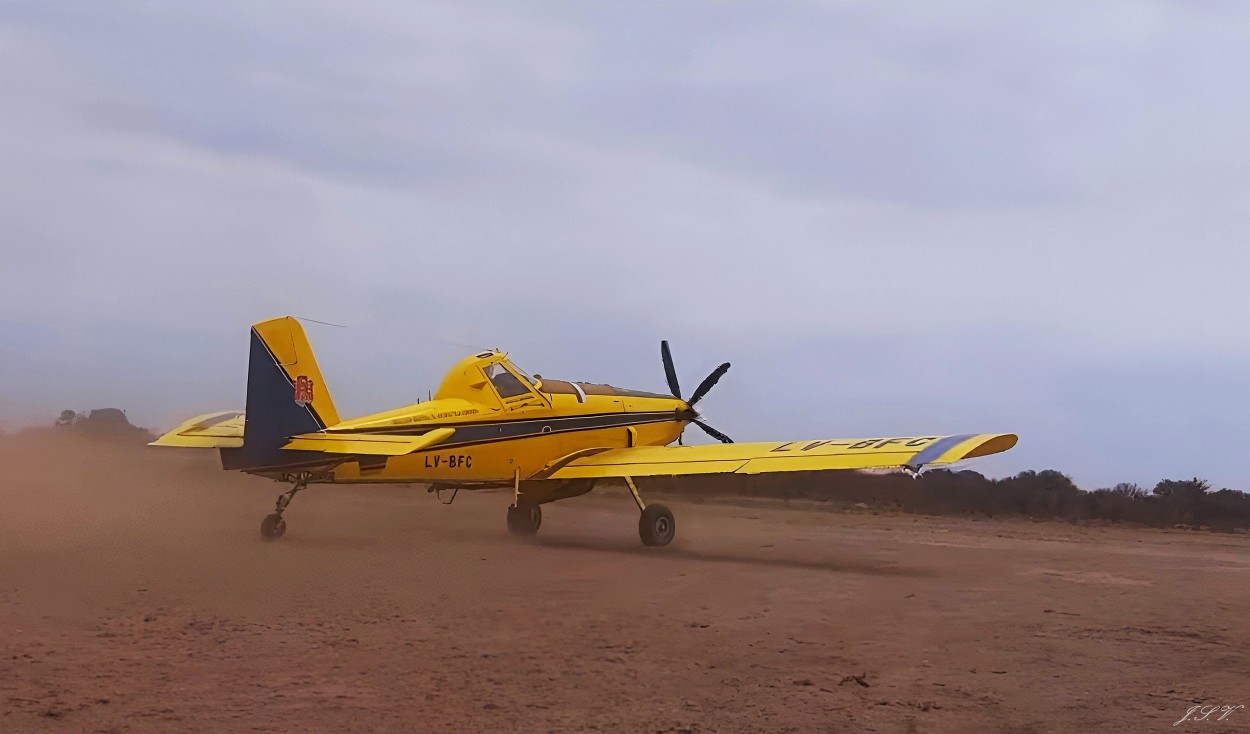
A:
209,431
367,444
914,453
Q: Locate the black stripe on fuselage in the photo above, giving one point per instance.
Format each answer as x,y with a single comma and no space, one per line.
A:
648,416
478,433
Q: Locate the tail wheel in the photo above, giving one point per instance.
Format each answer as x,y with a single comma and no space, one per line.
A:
656,526
524,520
273,527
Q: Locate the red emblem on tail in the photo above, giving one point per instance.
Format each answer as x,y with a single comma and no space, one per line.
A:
303,390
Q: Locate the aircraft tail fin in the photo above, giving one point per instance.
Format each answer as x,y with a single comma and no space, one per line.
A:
286,396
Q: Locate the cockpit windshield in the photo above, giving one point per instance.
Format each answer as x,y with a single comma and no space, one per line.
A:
524,375
506,383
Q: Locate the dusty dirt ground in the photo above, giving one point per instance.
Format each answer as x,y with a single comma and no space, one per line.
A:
137,596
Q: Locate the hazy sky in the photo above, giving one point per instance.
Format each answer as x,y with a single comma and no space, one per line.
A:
894,219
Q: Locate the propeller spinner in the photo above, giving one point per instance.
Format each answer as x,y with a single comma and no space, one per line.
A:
708,382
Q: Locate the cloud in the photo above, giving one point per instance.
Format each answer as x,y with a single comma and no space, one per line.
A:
984,216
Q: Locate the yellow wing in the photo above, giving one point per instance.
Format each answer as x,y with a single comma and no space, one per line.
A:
367,444
209,431
913,453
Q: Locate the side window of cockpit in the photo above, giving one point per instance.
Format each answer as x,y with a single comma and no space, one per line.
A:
505,382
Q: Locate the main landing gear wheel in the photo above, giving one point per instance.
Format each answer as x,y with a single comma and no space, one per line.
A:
656,526
273,527
524,520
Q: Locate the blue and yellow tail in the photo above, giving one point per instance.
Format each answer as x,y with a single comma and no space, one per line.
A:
286,396
289,409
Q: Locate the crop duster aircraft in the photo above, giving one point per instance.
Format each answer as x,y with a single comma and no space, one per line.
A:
490,425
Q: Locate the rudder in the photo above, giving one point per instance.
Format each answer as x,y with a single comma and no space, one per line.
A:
286,396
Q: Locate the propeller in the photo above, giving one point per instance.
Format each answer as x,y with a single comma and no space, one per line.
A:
707,384
710,381
713,432
669,371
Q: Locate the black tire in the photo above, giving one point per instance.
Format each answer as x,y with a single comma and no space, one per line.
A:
656,526
524,520
272,527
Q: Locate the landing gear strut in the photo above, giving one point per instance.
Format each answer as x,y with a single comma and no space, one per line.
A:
274,526
656,526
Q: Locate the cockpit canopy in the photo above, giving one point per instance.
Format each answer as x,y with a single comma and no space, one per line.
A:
506,383
511,383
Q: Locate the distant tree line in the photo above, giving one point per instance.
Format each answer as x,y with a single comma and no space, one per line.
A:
104,423
1037,494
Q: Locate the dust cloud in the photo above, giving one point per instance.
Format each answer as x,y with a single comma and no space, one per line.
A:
136,595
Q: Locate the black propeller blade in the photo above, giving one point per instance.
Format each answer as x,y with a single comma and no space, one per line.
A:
707,384
713,432
669,371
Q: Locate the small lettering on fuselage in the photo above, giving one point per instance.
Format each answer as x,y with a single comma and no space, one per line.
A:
445,414
870,443
450,461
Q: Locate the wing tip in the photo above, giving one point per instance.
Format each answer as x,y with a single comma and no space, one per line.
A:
988,444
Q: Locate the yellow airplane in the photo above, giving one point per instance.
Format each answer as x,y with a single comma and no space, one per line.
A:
490,425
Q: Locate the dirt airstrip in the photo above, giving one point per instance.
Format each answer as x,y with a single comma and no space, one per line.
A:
137,596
